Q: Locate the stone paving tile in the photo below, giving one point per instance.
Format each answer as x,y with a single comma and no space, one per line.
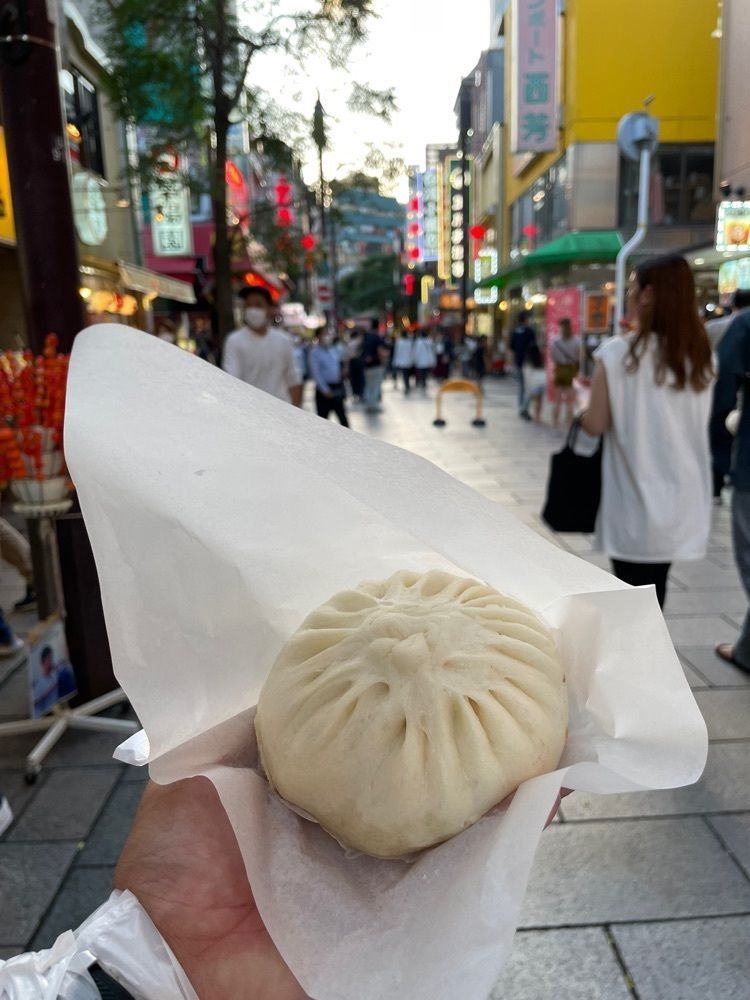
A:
694,679
735,832
76,747
695,630
107,839
724,787
30,875
67,805
14,696
717,673
688,960
705,575
562,965
598,873
84,890
19,794
727,713
707,602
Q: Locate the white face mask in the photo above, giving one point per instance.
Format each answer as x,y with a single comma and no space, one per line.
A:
256,318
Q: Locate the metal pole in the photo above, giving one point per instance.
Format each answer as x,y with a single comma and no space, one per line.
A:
36,142
638,237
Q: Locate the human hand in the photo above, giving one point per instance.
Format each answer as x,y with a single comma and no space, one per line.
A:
183,863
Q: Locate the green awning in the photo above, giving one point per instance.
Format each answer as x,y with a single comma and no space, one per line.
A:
589,247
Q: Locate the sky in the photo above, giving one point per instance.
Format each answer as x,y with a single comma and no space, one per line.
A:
422,48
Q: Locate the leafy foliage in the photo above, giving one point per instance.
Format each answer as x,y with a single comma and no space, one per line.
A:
371,287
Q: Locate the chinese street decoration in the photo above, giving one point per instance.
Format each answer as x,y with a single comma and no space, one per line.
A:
535,84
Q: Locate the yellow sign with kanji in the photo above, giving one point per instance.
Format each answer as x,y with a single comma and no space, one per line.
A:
7,226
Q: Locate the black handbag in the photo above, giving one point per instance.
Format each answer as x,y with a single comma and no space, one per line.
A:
574,487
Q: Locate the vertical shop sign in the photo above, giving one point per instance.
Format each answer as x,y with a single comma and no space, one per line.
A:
535,76
456,175
485,265
430,236
170,219
414,220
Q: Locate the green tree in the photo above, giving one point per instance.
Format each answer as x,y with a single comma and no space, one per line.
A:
182,68
373,286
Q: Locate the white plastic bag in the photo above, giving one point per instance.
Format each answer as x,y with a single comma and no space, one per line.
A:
121,938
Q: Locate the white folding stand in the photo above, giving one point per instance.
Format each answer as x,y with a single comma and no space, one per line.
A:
62,717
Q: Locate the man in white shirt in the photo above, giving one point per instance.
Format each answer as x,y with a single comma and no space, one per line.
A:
261,354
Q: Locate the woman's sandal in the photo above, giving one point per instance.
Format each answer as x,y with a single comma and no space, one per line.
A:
725,652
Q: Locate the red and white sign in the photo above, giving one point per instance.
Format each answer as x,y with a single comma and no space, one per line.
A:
325,291
562,303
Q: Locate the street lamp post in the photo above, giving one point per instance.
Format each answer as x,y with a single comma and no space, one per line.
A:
638,138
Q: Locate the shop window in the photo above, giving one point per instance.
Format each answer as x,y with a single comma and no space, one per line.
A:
541,213
83,123
681,190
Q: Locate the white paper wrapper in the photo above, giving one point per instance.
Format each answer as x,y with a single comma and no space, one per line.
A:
219,519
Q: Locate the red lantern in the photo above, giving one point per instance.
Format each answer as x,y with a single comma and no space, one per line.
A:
409,284
308,242
283,192
284,217
414,204
477,232
414,229
414,253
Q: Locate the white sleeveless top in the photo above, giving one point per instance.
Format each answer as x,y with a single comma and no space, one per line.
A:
656,468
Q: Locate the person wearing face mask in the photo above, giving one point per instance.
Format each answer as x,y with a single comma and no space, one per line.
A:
326,368
262,354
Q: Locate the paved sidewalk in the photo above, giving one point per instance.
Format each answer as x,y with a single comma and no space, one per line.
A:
644,895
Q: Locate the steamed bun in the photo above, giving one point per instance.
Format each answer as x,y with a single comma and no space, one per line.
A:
402,711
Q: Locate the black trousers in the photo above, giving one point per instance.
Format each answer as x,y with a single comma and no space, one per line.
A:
326,405
643,574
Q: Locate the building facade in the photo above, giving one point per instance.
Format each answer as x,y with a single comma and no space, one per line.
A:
569,196
114,285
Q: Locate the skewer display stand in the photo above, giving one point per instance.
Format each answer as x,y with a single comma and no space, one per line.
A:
32,396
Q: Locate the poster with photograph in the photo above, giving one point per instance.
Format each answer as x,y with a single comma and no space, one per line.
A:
51,677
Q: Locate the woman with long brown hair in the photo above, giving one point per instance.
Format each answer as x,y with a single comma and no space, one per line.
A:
650,398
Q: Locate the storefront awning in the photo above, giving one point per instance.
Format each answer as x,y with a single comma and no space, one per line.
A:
589,247
141,279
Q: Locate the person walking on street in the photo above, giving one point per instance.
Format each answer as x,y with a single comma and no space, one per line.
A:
16,551
523,336
424,357
403,359
722,442
536,382
374,357
327,372
731,392
260,354
479,360
353,359
566,355
651,399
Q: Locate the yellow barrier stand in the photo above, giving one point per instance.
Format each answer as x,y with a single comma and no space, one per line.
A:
459,385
